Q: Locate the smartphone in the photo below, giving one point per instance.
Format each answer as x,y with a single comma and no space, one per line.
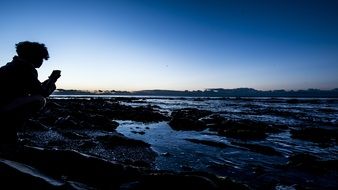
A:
55,75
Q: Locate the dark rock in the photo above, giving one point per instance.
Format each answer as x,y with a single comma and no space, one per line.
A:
99,112
141,113
137,163
186,168
311,163
319,135
171,181
74,135
327,110
15,175
56,143
35,125
245,130
303,158
66,122
65,169
292,101
102,122
213,121
87,144
78,167
188,119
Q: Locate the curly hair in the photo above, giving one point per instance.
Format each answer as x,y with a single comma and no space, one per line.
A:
31,50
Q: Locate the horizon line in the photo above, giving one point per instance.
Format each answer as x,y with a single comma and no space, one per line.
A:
106,90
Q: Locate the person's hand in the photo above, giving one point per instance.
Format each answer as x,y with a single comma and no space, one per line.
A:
55,75
48,87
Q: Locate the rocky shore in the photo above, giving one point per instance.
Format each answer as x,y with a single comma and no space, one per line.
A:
73,144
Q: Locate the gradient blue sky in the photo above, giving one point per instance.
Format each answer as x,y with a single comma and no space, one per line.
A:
179,44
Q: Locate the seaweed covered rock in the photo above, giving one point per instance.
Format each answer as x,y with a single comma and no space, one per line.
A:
245,130
318,135
189,119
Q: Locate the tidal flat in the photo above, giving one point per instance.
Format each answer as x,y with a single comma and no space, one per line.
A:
93,142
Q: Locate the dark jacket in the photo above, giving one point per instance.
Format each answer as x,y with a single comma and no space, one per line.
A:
19,78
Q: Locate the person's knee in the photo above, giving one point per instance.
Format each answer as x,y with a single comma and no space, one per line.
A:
35,103
25,106
39,102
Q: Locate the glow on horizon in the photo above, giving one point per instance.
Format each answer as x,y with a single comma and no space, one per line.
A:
178,45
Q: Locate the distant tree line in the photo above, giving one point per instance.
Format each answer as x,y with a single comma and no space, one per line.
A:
214,92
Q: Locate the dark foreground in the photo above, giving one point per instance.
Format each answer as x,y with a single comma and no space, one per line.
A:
73,144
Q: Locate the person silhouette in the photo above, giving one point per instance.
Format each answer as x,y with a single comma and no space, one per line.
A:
22,94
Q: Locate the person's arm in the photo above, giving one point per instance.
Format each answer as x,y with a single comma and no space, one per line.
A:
36,87
49,85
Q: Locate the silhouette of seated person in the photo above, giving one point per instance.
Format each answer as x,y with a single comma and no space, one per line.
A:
22,94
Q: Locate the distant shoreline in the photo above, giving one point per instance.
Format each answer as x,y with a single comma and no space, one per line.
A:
217,92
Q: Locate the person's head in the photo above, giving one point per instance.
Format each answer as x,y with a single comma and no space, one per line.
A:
32,52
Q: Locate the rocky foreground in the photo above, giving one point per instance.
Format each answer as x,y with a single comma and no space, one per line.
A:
73,144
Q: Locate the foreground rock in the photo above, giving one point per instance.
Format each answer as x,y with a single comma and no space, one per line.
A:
36,168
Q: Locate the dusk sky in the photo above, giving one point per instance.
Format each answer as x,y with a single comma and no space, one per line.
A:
178,44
